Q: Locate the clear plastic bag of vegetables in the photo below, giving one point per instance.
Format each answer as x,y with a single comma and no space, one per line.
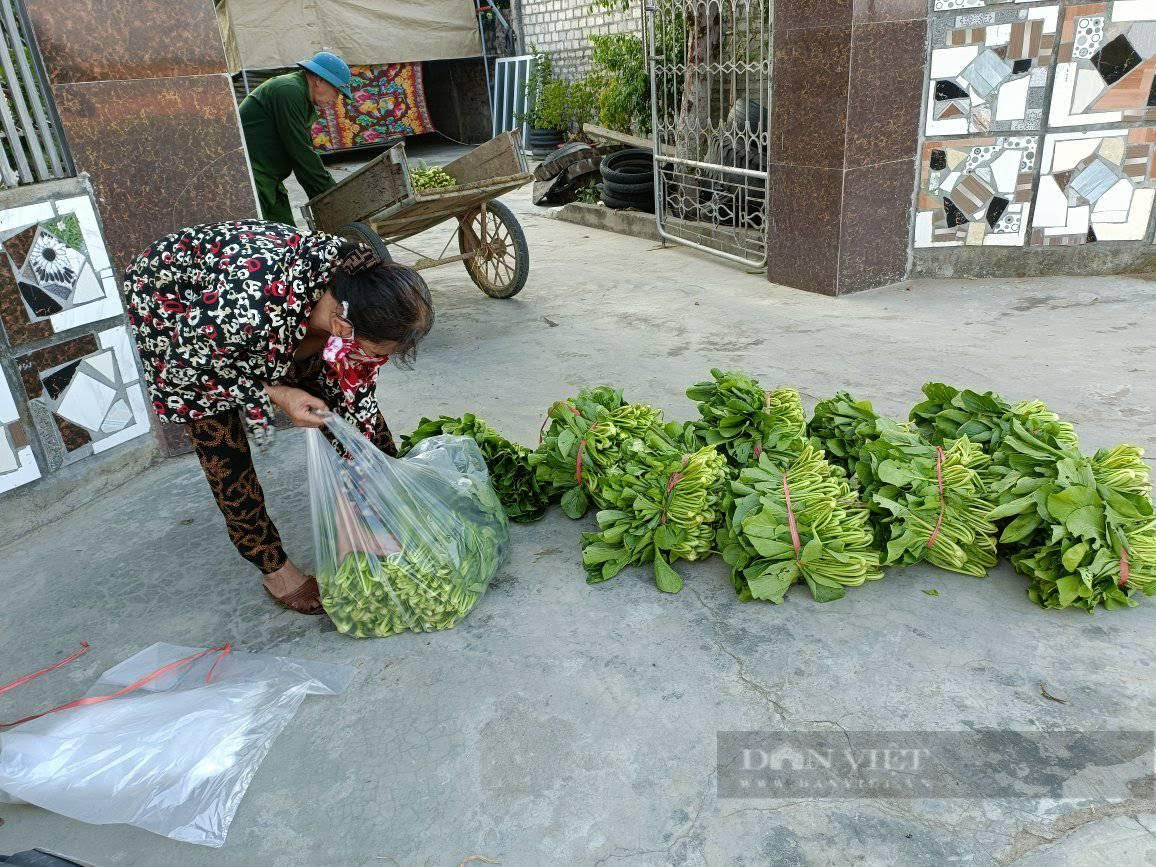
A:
402,544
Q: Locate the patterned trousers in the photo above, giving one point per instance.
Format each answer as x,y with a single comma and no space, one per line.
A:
223,449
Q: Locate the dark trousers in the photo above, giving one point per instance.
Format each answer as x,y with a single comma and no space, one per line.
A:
273,199
223,449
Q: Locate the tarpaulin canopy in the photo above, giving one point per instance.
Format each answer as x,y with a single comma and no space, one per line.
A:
269,34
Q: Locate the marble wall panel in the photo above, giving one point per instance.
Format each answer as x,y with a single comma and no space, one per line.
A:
163,153
98,40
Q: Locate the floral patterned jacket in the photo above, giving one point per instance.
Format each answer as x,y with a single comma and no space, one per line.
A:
219,310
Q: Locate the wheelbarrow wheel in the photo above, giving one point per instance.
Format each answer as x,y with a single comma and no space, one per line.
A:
364,233
501,262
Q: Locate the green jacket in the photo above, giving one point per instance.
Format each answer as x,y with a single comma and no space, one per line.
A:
277,118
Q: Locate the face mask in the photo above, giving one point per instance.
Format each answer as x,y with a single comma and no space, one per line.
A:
350,364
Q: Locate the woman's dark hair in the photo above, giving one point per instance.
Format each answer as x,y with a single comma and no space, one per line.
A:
387,301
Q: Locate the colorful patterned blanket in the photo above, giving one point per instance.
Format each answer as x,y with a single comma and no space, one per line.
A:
388,101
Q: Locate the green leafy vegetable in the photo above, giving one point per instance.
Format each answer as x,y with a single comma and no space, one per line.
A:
1081,529
583,440
514,480
902,476
743,420
435,178
662,506
836,549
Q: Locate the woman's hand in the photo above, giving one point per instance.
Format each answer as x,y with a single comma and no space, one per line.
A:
303,409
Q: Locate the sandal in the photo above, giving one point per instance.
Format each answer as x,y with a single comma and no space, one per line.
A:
306,599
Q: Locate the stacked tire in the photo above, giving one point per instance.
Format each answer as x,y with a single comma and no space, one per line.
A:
543,142
628,180
564,172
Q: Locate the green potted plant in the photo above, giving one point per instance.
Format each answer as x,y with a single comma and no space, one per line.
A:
545,101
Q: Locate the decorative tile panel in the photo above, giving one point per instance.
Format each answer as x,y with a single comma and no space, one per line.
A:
1094,186
54,270
975,191
88,391
952,5
1106,68
989,71
17,463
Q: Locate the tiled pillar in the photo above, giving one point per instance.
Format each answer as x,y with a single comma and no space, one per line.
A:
846,100
149,112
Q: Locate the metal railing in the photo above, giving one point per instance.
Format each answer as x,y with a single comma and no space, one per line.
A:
33,147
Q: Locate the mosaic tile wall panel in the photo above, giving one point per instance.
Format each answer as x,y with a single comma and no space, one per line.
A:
951,5
54,270
1075,81
1106,66
975,191
87,392
989,71
1095,186
17,463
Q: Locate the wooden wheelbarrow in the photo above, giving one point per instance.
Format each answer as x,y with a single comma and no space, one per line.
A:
378,203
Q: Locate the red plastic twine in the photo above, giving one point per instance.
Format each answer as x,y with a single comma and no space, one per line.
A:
581,444
942,504
791,517
1123,567
546,421
674,480
767,408
23,680
222,651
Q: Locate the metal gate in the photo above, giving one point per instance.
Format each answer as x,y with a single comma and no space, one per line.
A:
710,82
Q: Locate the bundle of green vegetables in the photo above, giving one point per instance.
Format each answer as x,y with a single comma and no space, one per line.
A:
435,178
949,413
583,441
743,420
1022,440
405,544
798,521
1094,539
1081,529
928,503
514,480
661,505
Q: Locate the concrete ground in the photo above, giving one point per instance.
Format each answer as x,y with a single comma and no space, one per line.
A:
565,724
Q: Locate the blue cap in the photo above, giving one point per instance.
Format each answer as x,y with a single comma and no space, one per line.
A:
331,68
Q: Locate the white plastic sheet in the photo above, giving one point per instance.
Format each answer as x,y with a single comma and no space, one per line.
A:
174,756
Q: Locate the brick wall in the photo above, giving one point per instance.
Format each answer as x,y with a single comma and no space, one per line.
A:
562,29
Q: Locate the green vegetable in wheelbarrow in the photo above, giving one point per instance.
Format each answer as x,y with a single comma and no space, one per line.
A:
403,544
435,178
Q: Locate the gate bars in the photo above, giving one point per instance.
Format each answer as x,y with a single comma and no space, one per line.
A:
710,82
